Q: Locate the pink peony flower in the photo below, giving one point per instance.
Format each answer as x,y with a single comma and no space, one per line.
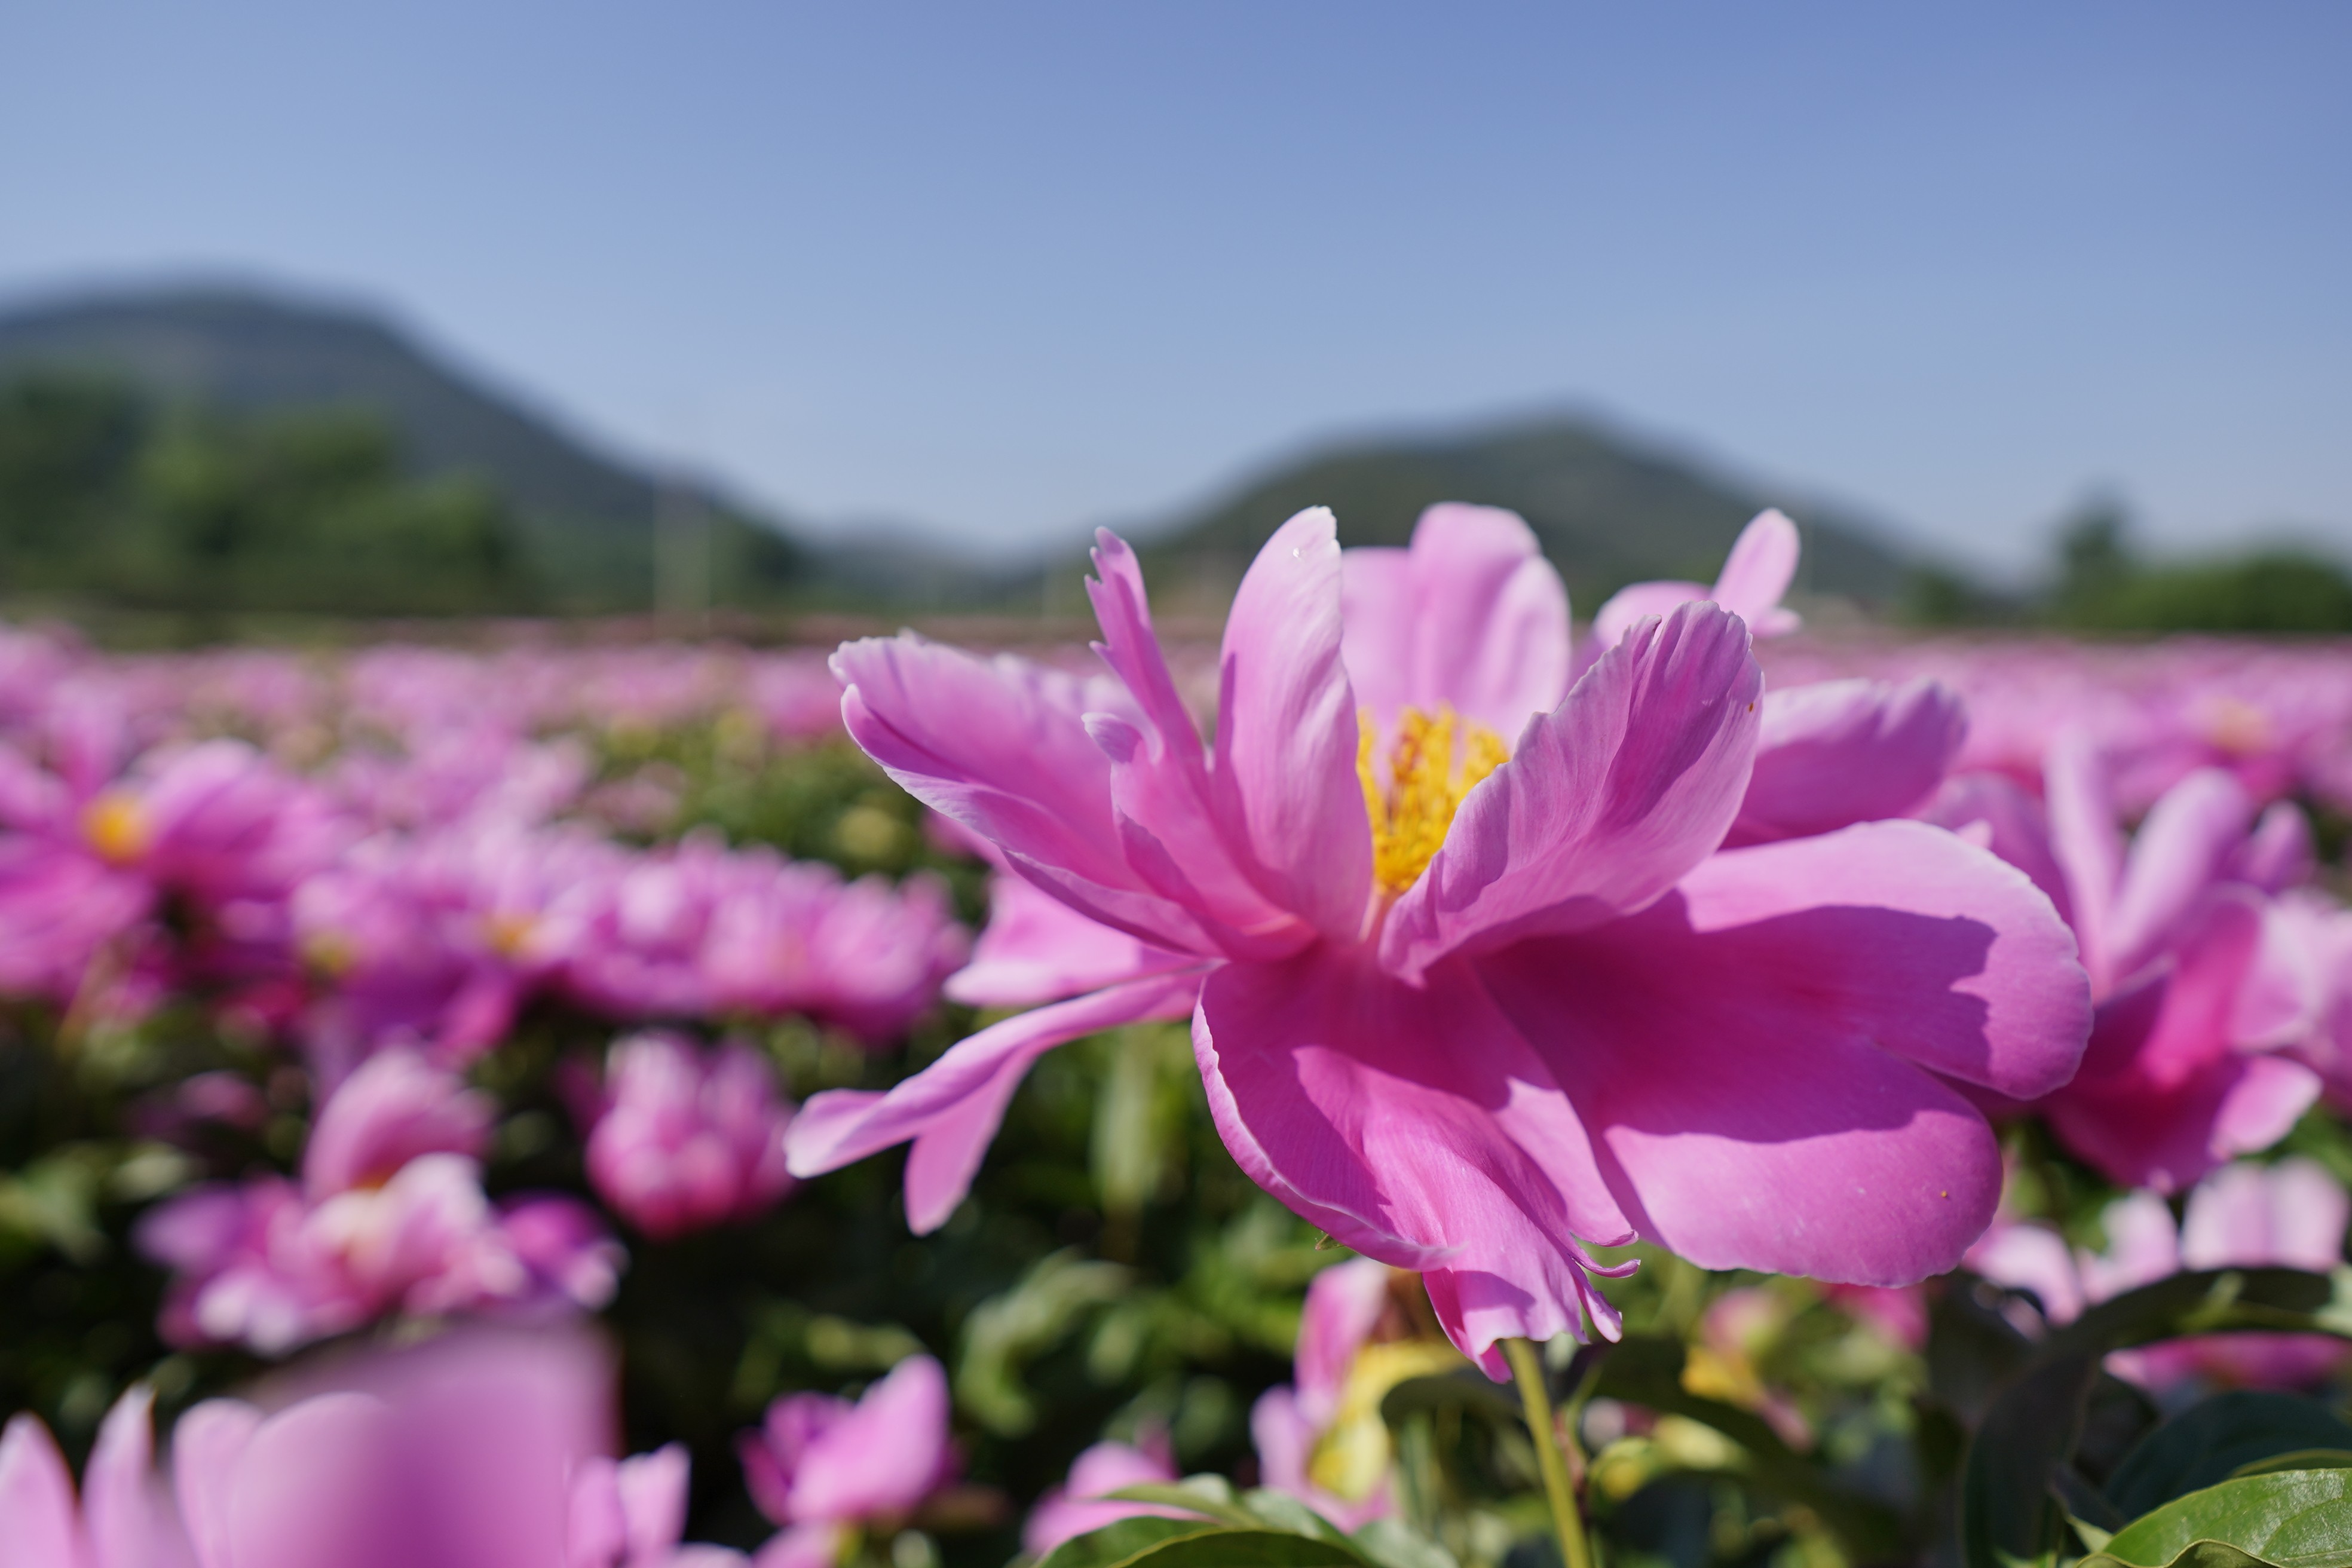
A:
390,1217
2182,1070
1442,979
819,1465
686,1140
1320,1438
2290,1215
1082,1503
470,1450
1755,577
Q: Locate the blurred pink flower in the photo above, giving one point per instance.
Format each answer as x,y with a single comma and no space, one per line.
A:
819,1465
390,1217
688,1140
1755,577
2290,1215
1319,1438
1081,1503
2182,1070
1439,979
469,1450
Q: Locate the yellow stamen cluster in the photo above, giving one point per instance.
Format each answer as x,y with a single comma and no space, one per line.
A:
1432,763
116,825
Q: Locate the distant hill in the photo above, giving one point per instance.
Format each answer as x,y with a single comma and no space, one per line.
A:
587,518
1608,510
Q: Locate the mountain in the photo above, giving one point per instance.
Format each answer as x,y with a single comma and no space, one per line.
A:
1609,508
587,518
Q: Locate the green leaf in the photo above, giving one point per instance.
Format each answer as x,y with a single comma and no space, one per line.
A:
1392,1543
2289,1519
1212,1497
2217,1438
1121,1540
1220,1548
2300,1459
2036,1418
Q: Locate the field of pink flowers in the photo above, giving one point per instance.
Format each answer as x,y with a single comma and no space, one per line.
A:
1465,1087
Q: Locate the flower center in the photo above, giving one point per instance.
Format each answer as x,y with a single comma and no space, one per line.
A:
1431,765
116,825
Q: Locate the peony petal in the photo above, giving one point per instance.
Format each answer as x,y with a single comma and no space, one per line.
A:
1001,747
132,1521
2030,1257
1636,602
1344,1304
2087,846
1413,1124
1160,780
1036,948
1758,572
1605,804
206,1443
2006,820
1285,785
2183,847
884,1457
1841,752
1471,616
2278,854
1900,934
957,1100
1746,1121
2163,1097
39,1525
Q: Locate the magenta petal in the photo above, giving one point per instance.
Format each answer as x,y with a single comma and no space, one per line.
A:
1344,1304
1001,747
884,1457
2163,1096
1994,813
1606,802
1901,934
206,1443
1635,602
131,1520
1160,780
957,1100
2088,847
2293,1213
1471,616
2183,847
39,1525
1287,791
1758,572
1841,752
1748,1122
1036,948
2278,854
396,1107
1413,1124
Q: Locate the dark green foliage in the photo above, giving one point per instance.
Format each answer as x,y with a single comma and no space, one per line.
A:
2103,586
105,495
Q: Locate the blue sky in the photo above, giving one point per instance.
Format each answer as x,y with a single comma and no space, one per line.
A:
1007,271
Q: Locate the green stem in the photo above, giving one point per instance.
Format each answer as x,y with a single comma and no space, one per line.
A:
1527,1366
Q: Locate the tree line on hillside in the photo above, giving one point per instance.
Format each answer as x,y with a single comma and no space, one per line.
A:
2103,584
114,496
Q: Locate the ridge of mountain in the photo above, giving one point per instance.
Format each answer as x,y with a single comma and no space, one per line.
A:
587,515
1609,508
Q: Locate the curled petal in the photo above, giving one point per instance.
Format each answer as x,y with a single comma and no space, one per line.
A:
2183,848
1843,751
1287,791
952,1107
1605,803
